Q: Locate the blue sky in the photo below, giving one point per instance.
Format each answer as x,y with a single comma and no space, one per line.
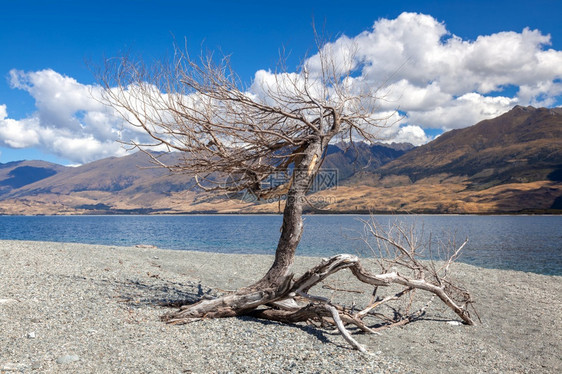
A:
46,47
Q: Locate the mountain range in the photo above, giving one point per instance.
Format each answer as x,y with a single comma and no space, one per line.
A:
509,164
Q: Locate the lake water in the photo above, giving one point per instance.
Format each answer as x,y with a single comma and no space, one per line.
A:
528,243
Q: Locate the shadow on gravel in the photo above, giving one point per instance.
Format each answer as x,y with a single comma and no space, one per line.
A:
317,332
158,292
135,293
166,294
173,295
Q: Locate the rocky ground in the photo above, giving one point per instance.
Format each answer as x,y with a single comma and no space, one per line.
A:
96,309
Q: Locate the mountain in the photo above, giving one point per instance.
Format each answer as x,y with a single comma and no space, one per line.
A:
509,164
132,184
522,145
14,175
114,174
129,184
348,159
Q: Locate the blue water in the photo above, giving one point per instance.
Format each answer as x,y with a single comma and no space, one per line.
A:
528,243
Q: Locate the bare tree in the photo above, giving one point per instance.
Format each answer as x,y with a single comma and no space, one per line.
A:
233,137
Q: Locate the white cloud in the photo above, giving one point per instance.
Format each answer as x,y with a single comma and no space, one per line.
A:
460,112
436,79
411,134
69,122
399,131
442,81
17,134
407,96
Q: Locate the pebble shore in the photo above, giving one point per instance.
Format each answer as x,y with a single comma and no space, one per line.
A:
75,308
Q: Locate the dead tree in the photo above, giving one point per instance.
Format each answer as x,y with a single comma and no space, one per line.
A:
232,137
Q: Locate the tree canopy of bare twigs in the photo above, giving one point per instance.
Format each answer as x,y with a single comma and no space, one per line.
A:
224,128
233,136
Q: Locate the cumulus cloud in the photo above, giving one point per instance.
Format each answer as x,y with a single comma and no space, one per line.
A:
436,80
397,130
419,48
69,122
463,111
17,134
411,134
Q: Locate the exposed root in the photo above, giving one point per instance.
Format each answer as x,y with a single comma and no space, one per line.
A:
291,302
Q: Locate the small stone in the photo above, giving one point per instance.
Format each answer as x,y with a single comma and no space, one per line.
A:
67,359
454,323
31,335
12,366
7,301
36,365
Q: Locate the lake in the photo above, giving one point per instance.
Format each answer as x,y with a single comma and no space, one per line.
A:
527,243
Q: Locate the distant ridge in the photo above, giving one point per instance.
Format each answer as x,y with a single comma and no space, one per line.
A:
508,164
132,184
17,174
522,145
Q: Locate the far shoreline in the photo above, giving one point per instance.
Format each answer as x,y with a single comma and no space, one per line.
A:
547,212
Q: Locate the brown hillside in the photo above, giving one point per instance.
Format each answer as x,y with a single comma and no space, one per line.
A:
522,145
509,164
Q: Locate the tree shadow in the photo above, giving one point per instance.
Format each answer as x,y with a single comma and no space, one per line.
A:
167,294
160,292
317,332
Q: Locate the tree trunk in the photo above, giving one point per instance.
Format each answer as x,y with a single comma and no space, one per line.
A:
291,232
277,281
292,229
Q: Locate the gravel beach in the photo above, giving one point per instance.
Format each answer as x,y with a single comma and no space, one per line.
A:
74,308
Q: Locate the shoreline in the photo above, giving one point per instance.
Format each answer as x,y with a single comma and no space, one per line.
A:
82,308
538,212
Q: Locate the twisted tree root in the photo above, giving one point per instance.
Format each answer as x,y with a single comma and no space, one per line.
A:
284,303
